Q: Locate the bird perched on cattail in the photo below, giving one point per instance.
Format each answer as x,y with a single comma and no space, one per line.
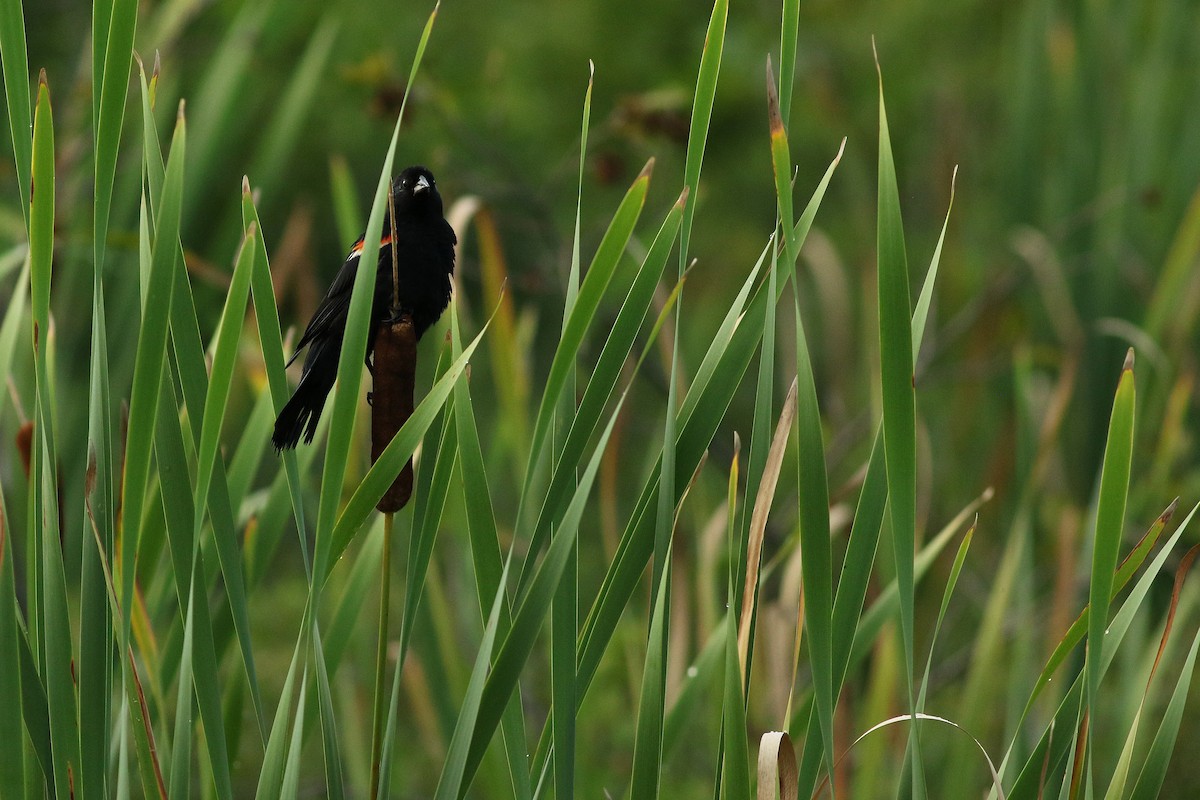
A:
424,247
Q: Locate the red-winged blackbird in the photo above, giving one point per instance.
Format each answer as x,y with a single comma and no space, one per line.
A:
425,252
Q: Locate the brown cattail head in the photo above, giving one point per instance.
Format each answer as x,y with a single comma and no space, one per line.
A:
392,400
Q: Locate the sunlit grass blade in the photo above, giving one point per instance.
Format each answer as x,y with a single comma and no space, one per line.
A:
1110,519
16,92
899,396
921,312
41,217
573,277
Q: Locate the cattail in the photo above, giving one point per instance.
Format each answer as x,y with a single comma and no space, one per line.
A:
392,400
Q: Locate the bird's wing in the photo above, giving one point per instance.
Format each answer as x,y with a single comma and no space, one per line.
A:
331,313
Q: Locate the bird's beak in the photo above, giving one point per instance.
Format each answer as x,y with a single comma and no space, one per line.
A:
422,185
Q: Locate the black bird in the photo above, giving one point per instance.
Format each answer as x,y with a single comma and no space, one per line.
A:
425,252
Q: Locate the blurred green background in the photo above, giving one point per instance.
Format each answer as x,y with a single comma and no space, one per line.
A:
1075,127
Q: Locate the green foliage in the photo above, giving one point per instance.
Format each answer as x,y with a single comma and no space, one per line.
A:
596,590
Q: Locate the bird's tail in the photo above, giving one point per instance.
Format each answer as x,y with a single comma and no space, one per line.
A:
300,414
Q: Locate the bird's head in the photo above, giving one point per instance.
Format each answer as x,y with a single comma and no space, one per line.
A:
416,192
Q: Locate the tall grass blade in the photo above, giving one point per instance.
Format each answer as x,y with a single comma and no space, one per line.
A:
110,84
648,741
899,401
16,92
812,483
531,611
12,762
454,779
1110,519
599,274
607,370
1029,780
703,407
53,632
149,363
290,786
486,560
702,106
1154,770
